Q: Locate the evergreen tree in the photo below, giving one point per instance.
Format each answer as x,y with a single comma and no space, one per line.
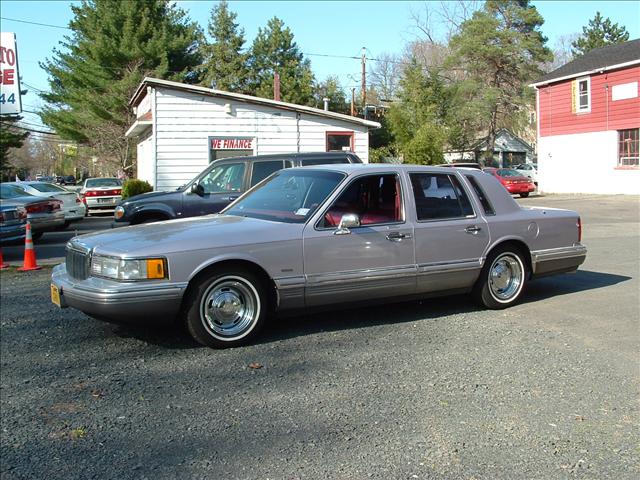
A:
599,33
10,137
417,119
500,49
274,50
225,65
114,45
332,90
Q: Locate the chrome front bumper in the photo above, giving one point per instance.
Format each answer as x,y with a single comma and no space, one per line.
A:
116,300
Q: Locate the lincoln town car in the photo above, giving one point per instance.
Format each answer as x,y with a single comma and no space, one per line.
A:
321,236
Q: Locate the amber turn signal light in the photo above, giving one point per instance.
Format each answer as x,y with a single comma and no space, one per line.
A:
156,268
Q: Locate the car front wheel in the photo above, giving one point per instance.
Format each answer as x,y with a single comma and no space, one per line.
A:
524,194
502,279
226,309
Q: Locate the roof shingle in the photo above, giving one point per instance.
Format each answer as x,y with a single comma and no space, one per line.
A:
598,58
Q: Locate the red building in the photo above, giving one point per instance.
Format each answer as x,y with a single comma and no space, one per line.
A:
589,123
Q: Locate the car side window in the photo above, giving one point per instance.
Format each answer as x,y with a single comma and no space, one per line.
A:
224,178
484,201
439,196
376,199
262,170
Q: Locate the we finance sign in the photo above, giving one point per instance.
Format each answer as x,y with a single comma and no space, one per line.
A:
9,78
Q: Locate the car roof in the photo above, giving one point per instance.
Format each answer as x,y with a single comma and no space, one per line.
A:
351,168
301,155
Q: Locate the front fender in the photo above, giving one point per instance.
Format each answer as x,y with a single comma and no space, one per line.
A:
228,257
155,208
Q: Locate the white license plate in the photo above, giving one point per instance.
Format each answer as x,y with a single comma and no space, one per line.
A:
105,200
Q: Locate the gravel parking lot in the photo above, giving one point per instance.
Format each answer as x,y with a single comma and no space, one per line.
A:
434,389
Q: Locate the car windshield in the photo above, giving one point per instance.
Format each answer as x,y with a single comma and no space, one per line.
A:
507,172
48,188
289,196
103,182
12,191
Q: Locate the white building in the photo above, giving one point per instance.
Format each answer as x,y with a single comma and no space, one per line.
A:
180,128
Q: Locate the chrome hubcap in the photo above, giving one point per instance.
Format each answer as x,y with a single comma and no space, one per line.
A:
229,307
506,277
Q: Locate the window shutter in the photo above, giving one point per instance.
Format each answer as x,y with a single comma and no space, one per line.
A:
574,95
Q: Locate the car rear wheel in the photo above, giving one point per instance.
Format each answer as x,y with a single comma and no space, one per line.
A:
524,194
502,279
226,309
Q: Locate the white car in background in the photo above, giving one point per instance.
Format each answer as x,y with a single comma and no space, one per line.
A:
72,206
101,193
528,170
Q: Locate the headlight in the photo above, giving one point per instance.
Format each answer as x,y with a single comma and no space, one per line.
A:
128,269
119,212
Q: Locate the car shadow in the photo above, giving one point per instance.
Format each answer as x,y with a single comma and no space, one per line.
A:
580,281
172,335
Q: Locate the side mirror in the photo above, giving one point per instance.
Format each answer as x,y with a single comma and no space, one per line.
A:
198,189
348,220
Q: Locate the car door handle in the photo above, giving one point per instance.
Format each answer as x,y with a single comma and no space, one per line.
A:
397,236
232,197
473,230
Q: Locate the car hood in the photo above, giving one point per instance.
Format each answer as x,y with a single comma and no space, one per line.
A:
143,197
188,234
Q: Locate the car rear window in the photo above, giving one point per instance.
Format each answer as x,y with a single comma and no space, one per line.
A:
103,182
48,187
12,191
439,196
484,201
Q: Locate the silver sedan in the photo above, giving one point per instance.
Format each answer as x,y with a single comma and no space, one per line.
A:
318,236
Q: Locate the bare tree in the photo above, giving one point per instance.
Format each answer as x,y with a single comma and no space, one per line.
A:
450,15
561,52
385,74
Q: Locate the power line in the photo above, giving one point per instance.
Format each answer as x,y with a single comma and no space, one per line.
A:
35,23
32,130
34,88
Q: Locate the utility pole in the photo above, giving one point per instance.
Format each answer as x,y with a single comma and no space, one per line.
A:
364,77
353,102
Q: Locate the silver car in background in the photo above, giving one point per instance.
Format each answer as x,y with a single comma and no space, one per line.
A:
44,214
318,236
72,206
101,193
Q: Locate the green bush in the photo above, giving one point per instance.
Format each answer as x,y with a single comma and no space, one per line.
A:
135,187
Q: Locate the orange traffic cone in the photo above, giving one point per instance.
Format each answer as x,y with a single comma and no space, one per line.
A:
29,253
2,264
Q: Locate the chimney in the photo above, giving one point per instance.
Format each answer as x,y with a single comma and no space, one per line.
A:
326,103
276,86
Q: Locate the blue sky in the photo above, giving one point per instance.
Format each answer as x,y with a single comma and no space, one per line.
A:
326,27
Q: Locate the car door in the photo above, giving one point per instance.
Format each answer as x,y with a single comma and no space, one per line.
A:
450,237
373,260
221,184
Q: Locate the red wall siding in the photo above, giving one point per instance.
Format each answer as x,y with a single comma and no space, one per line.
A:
555,113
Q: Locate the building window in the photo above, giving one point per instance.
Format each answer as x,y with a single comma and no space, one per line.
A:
339,141
628,155
583,95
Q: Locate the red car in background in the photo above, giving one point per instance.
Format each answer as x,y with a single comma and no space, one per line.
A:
514,182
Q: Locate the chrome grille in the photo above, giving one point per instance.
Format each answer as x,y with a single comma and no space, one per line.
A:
77,264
